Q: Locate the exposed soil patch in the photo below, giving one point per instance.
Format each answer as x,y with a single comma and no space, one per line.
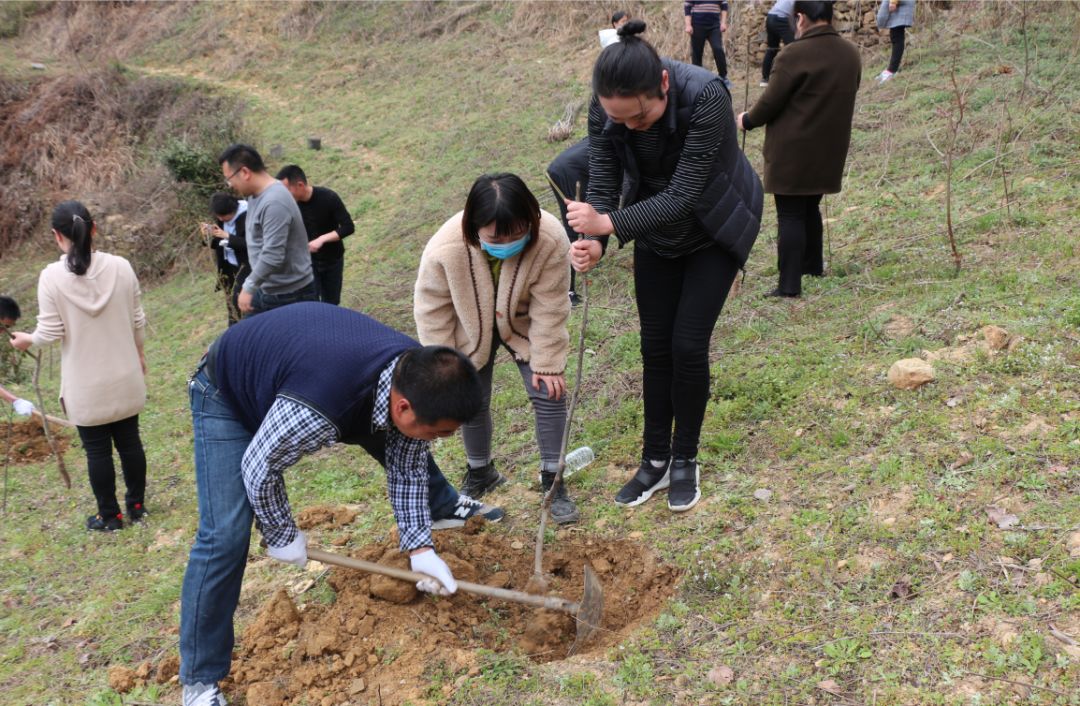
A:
28,442
380,637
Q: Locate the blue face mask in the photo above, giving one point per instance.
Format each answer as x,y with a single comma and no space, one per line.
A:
506,250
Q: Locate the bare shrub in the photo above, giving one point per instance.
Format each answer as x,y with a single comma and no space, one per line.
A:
97,137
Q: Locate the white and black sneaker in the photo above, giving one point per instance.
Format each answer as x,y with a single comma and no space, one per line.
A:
645,482
685,490
202,695
465,508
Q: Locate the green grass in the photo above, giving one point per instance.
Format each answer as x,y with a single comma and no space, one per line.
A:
866,488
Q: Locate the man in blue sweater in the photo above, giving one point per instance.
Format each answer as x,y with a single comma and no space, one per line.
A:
259,402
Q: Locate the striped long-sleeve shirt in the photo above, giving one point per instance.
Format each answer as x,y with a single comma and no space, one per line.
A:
664,222
704,13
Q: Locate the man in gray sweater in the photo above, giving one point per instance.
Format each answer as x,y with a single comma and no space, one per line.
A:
276,238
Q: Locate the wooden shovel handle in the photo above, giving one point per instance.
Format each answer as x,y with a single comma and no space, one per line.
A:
549,602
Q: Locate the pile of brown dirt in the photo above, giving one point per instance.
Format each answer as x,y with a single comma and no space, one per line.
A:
28,442
380,640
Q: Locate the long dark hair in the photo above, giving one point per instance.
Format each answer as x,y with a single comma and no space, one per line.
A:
73,221
502,199
629,67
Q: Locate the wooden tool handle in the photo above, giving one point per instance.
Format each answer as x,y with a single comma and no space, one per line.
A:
549,602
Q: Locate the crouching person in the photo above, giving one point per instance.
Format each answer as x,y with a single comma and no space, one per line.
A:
284,384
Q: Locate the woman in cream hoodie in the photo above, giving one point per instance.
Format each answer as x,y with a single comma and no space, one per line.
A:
89,301
496,275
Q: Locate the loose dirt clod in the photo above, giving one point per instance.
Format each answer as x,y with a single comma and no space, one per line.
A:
315,652
28,443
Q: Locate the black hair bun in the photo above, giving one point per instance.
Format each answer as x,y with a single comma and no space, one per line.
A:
631,28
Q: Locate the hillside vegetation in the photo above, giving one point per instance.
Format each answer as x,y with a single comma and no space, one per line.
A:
844,551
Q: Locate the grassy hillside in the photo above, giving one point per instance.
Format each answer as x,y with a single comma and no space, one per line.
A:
868,573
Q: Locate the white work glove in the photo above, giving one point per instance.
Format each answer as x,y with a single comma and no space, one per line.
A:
295,552
23,408
429,563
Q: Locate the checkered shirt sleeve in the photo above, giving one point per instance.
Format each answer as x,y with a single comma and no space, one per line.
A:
289,430
406,471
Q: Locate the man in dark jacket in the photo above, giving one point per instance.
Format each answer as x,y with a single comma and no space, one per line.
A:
808,108
259,402
327,222
230,248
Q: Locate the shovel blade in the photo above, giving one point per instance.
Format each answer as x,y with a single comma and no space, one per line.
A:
590,610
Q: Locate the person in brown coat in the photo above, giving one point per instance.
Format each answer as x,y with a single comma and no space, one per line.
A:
808,108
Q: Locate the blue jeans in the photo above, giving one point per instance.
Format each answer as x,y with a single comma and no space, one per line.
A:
261,301
215,569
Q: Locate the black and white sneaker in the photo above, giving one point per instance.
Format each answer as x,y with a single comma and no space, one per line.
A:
641,487
202,695
465,508
685,488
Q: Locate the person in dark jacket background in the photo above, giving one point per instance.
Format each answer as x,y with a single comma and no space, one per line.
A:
226,237
327,222
808,109
707,20
665,131
569,171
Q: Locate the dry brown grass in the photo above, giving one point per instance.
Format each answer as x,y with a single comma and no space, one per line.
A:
91,136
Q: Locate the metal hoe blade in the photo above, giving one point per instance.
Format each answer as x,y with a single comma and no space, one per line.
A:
590,610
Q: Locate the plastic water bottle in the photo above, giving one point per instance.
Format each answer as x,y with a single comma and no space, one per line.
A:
578,459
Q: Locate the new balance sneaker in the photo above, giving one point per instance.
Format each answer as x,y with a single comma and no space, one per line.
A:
645,482
563,510
478,481
884,76
685,490
136,512
98,523
200,694
465,508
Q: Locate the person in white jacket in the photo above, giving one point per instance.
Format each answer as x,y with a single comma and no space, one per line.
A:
90,302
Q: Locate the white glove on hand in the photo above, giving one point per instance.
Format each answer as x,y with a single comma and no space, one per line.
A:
429,563
23,408
295,552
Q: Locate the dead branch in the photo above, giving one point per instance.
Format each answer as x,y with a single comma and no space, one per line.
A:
445,26
7,457
45,421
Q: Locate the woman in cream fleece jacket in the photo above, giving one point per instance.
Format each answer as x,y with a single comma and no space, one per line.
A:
496,275
89,301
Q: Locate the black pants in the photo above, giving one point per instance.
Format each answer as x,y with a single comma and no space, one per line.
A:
231,281
98,443
679,300
328,278
697,47
777,29
896,36
799,242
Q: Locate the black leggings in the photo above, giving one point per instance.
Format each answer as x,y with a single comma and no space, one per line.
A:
798,243
98,443
679,300
896,36
777,29
716,41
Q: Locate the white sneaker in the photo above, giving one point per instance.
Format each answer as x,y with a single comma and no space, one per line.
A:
884,76
203,695
763,84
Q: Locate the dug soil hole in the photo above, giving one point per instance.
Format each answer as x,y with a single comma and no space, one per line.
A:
380,641
27,442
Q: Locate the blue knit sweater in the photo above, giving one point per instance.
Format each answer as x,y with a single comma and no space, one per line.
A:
324,356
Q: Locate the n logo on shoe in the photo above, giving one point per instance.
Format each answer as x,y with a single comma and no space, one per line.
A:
462,511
